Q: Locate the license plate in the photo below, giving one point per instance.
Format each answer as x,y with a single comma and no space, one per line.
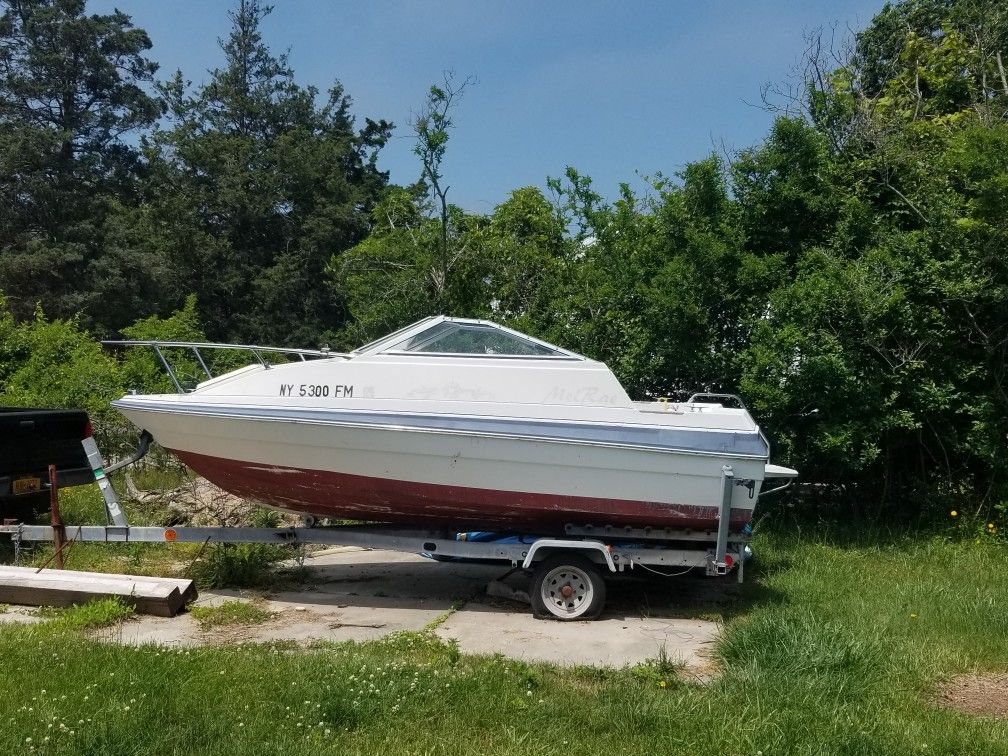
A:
26,485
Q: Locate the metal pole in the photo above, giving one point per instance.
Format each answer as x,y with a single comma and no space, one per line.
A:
54,514
167,367
112,508
724,516
199,357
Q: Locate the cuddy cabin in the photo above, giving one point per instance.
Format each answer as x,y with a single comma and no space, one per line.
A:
466,367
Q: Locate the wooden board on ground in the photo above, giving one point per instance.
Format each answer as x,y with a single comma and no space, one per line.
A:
164,597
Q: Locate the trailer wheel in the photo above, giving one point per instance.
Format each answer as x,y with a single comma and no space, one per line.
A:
567,587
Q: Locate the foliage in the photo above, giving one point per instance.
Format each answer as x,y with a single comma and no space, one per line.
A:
56,363
238,565
419,258
141,369
94,614
242,565
430,128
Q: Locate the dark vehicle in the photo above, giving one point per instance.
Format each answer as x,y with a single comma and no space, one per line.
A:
30,441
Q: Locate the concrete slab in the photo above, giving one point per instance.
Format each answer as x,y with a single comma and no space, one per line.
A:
20,616
606,642
181,630
357,594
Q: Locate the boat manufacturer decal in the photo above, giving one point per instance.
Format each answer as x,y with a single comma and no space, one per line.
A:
586,395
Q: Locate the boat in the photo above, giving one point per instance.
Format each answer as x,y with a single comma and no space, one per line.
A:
464,425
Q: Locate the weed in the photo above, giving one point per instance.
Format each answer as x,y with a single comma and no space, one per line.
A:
233,612
237,565
662,671
162,477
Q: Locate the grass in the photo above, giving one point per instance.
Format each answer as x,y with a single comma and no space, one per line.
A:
234,612
90,616
834,648
161,477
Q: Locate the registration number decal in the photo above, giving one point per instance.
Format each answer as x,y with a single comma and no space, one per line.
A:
314,390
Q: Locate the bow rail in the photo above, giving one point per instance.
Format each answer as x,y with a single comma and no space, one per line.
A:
195,346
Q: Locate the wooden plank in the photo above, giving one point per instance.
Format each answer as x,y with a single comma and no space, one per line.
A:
24,585
166,606
188,592
186,587
181,583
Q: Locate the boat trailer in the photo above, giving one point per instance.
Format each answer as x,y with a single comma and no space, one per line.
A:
566,571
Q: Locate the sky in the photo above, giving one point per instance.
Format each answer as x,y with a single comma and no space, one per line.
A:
617,90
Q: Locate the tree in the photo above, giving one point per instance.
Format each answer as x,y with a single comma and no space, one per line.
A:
651,283
269,184
524,254
422,257
72,87
56,363
430,127
879,359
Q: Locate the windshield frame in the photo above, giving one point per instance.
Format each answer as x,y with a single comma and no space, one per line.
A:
387,344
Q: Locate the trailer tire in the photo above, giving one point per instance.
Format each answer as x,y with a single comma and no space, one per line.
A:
567,587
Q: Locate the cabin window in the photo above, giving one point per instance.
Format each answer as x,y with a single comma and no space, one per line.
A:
471,338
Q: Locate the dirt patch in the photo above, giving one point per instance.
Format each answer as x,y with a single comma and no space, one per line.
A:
199,502
983,695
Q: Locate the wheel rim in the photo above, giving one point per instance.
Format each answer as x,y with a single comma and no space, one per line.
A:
567,591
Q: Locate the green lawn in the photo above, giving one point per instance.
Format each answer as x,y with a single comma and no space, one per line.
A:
834,649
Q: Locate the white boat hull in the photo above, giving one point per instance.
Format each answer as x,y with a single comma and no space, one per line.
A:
451,477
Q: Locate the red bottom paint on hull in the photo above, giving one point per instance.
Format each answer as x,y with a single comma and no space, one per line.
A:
346,496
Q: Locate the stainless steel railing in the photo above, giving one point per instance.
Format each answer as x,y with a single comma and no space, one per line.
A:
195,346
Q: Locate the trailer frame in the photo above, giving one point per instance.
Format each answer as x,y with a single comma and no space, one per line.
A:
617,556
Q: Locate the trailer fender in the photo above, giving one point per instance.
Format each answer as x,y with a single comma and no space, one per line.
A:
545,546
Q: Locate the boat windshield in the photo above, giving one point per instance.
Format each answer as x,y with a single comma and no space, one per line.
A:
449,337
